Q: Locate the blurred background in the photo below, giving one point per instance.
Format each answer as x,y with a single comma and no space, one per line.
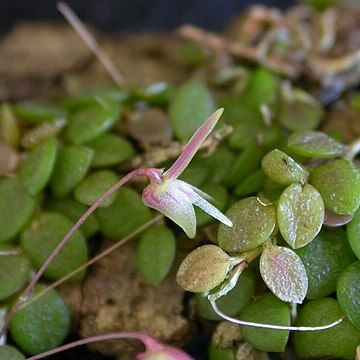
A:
133,15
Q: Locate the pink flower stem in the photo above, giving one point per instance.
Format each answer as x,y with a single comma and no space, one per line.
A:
63,242
151,344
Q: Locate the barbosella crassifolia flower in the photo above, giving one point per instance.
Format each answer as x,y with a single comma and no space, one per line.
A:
175,198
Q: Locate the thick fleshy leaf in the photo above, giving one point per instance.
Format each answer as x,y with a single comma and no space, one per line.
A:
71,166
315,144
37,167
298,110
36,112
283,169
245,164
300,214
348,293
14,271
338,182
353,233
40,325
253,220
125,214
339,342
284,273
10,353
193,146
190,105
324,258
94,185
16,208
155,254
204,268
41,238
89,123
173,203
269,310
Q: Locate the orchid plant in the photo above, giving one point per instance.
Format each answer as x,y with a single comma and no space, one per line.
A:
165,193
175,199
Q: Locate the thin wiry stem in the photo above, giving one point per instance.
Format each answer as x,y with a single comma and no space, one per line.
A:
90,41
63,242
354,149
145,339
271,326
95,259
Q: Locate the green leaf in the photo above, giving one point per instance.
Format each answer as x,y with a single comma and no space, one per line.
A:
191,105
298,110
195,173
36,111
41,325
284,273
353,233
16,208
155,254
215,353
261,89
72,209
36,169
283,169
44,234
338,182
9,128
71,167
348,293
300,214
95,185
110,150
253,220
324,258
244,165
125,214
268,310
10,353
14,272
218,165
339,341
252,184
89,123
203,269
315,144
96,96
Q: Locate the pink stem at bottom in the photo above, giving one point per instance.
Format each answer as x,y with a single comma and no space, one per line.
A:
150,343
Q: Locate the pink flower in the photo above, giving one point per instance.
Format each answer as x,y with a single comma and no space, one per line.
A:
158,351
175,198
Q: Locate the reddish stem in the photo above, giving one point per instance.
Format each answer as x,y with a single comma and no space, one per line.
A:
150,343
63,242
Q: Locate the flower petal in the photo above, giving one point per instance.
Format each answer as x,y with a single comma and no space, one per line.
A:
173,203
193,146
196,196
